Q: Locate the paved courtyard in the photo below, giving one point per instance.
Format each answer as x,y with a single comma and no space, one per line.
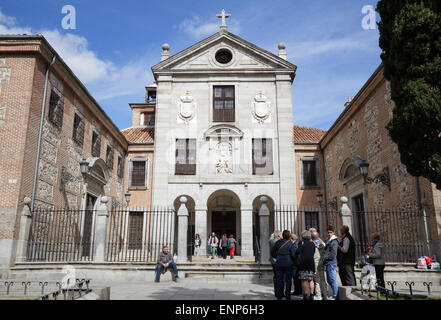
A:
188,290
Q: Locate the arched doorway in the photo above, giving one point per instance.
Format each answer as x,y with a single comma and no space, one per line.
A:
96,177
223,214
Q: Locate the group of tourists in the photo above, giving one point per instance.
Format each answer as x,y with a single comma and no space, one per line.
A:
304,262
224,246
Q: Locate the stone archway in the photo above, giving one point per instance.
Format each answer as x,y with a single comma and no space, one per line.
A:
96,178
224,214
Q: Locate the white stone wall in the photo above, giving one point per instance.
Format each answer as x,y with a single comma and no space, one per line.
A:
250,74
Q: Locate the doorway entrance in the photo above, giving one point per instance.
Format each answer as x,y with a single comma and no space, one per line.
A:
87,225
224,215
223,222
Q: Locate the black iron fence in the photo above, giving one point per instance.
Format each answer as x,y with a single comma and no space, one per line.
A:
135,234
61,235
402,232
138,234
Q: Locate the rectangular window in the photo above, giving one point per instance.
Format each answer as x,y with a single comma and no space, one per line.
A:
185,157
149,119
78,129
109,157
56,109
310,173
223,103
135,230
96,145
120,167
262,156
312,220
138,173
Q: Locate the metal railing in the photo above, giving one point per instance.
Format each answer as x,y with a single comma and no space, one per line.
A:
65,291
61,235
139,234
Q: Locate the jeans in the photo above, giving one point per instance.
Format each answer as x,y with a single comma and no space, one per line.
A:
170,265
283,282
296,282
331,277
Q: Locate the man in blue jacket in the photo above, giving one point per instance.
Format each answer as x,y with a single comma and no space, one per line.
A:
284,253
330,261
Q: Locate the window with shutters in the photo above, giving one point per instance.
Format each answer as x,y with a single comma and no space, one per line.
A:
96,144
185,157
309,173
120,169
56,109
78,129
135,230
223,104
109,157
138,173
263,156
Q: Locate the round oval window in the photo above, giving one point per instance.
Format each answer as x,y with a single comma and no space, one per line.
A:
224,56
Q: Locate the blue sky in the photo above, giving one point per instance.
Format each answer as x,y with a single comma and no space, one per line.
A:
116,42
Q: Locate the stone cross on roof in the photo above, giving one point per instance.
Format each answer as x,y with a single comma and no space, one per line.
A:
223,15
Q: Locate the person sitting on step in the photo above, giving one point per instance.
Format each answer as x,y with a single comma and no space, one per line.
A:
165,261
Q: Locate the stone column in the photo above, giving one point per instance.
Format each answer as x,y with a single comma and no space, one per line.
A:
102,216
201,228
25,225
246,248
346,215
182,230
264,230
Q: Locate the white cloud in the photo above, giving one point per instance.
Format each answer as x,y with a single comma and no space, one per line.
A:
103,77
6,20
198,28
84,62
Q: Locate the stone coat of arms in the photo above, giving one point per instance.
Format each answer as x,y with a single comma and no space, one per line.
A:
261,107
224,158
186,107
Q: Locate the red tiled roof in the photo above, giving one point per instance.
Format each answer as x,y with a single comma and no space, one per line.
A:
307,135
139,135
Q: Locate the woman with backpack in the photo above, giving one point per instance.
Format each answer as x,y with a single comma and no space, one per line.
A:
306,265
283,252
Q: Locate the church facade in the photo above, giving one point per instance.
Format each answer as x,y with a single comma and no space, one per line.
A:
223,133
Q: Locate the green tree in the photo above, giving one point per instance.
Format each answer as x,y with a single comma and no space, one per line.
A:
410,38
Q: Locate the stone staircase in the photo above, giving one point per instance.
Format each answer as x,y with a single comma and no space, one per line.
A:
206,271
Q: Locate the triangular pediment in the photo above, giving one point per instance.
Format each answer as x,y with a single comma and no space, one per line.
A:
246,56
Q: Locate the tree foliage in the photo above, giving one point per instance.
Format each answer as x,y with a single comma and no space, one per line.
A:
410,37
